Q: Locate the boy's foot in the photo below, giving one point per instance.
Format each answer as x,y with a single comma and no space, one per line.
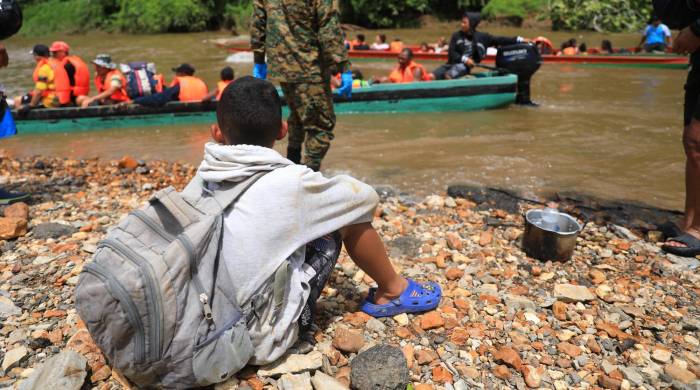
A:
417,297
7,197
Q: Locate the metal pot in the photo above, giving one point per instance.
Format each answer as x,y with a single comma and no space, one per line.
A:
555,244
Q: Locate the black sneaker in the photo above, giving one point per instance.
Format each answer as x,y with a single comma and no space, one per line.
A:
7,197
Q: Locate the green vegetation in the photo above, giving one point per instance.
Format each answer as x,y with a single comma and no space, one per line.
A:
599,15
514,10
155,16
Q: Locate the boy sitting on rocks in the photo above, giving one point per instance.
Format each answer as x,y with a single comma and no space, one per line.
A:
293,214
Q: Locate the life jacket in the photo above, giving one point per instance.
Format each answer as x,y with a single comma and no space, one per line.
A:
61,83
220,86
546,43
82,75
192,89
119,95
357,83
406,76
396,46
569,51
160,82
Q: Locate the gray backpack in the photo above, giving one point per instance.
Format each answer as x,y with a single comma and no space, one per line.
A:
157,299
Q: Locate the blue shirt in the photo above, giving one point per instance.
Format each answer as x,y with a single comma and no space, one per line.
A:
656,34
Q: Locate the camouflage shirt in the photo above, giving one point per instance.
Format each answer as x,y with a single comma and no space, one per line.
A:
302,40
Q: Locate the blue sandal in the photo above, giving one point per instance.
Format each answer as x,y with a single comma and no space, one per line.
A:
417,297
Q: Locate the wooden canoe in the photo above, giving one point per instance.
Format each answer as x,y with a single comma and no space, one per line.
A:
484,91
626,60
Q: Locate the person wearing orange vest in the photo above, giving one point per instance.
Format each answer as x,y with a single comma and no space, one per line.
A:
77,70
396,46
51,84
185,88
406,71
110,84
226,78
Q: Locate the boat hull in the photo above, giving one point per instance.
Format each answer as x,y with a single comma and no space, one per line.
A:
480,93
622,60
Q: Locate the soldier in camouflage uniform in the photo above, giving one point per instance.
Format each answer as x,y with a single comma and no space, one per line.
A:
303,43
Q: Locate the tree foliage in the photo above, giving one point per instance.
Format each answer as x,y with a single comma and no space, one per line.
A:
155,16
599,15
512,9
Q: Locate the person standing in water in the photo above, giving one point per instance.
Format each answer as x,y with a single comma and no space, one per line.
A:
684,238
10,23
303,43
468,46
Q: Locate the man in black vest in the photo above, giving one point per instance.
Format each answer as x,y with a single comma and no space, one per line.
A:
684,238
468,47
10,23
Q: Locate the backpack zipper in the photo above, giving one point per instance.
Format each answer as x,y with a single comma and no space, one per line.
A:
120,293
156,301
153,225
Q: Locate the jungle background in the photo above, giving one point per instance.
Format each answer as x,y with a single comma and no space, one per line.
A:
157,16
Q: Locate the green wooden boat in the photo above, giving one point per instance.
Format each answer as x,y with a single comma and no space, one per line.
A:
483,91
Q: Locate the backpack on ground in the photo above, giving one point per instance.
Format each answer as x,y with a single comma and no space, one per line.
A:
140,78
156,297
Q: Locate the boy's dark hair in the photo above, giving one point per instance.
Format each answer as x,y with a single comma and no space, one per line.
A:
382,37
361,37
227,73
250,112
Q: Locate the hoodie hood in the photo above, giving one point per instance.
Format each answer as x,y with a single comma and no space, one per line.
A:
474,20
235,163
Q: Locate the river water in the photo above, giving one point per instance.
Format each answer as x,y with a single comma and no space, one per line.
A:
609,132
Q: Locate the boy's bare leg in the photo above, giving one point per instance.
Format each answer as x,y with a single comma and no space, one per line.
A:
366,249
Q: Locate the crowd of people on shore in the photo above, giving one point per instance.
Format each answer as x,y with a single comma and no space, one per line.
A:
63,80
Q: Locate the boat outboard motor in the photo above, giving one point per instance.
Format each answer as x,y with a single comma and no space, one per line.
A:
524,60
10,18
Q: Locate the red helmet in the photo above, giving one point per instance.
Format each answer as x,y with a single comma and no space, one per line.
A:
59,46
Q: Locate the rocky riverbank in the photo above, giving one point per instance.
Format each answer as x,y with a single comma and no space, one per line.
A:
619,315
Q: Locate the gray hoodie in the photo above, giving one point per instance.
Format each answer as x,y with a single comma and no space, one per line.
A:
272,222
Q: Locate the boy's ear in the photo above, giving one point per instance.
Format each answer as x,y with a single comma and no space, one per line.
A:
283,131
217,134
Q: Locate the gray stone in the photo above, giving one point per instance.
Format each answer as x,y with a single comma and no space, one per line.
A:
572,293
404,246
632,375
52,230
65,371
16,336
375,325
295,382
290,364
608,367
517,303
14,357
8,308
382,367
321,381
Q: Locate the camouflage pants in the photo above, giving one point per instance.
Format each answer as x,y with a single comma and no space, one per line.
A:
311,119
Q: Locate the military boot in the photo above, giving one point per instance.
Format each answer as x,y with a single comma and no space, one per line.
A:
294,155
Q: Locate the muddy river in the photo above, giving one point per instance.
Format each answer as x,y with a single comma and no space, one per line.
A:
607,131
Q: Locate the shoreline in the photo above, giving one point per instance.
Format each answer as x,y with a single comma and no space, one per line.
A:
620,314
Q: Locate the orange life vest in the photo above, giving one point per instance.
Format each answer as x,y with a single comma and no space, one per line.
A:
82,75
120,94
160,82
396,46
569,51
60,79
406,76
192,89
220,86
